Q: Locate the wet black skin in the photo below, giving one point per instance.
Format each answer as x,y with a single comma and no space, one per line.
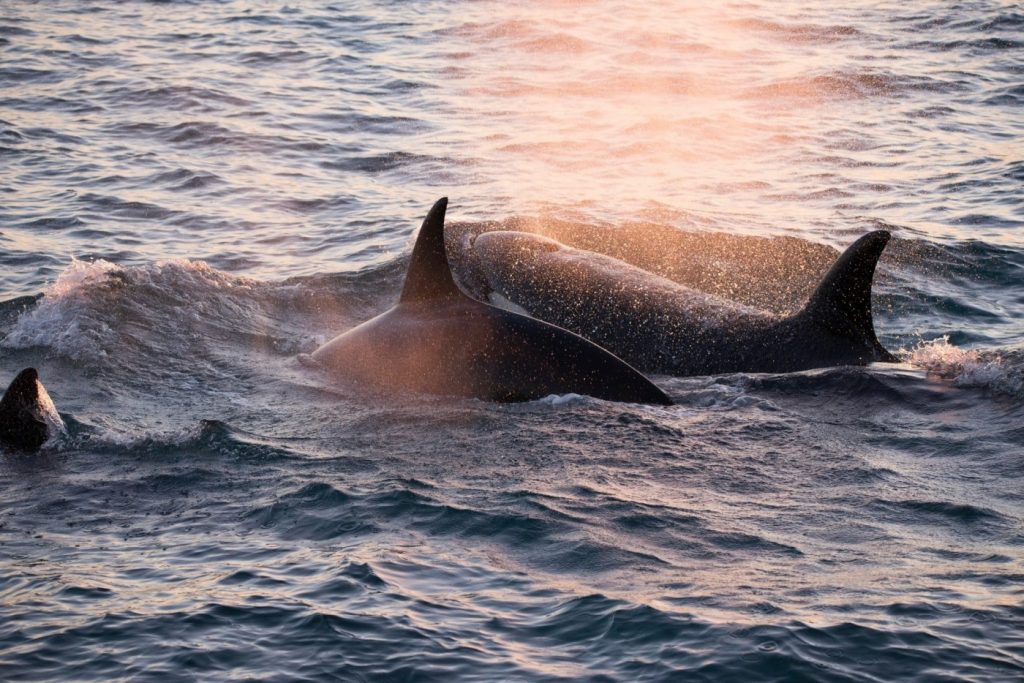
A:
660,326
22,426
438,340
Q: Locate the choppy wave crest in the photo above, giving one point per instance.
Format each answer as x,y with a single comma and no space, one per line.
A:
97,310
993,370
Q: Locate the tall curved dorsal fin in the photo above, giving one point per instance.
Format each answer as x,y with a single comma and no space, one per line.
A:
429,275
842,302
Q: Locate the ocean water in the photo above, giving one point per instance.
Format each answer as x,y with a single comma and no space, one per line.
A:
196,193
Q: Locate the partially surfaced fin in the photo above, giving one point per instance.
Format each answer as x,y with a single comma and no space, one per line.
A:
842,302
430,276
22,424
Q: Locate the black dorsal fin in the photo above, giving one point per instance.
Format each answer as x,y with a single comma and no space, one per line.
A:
23,391
21,424
429,276
842,302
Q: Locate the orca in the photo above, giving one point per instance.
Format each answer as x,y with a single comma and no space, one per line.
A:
26,413
437,340
660,326
772,273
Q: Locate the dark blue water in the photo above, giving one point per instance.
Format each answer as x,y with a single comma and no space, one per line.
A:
195,194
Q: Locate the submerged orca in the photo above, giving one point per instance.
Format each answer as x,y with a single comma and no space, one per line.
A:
660,326
24,410
438,340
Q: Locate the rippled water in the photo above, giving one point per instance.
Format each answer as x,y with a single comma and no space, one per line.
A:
203,191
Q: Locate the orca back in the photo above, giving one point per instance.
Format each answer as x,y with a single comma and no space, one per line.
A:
21,421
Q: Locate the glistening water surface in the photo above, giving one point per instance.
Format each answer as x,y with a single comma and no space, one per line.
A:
202,192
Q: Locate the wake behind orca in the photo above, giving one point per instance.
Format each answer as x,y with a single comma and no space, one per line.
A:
660,326
438,340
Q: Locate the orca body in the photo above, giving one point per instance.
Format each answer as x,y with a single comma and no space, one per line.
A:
23,413
437,340
774,274
660,326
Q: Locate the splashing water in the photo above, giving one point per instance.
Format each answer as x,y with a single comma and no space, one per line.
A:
969,367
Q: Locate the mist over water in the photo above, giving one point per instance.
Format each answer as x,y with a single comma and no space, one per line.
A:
203,192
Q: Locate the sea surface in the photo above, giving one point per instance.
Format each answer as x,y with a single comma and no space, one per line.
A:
194,194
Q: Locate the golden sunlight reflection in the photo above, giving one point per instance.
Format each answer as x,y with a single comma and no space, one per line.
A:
632,107
679,112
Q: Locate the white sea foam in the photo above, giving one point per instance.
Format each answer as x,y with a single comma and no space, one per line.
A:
562,399
82,314
969,367
58,321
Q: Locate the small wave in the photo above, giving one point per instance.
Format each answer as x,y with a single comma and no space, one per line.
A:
556,43
928,511
198,135
364,124
841,85
53,223
203,437
13,75
541,539
715,394
185,180
12,30
353,579
85,594
801,33
315,205
839,382
389,161
51,135
174,97
315,512
1009,96
107,206
261,57
600,622
97,311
